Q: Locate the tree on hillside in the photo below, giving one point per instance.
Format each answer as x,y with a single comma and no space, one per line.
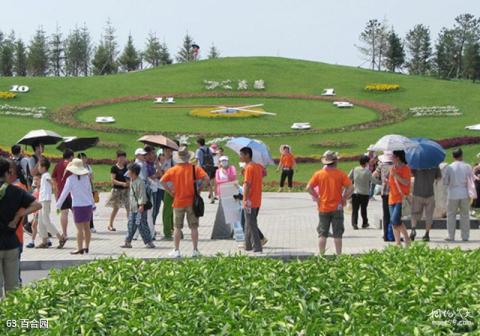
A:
185,54
73,53
472,61
467,31
85,50
395,55
104,60
153,49
57,56
78,50
213,52
20,66
130,59
445,54
37,58
7,55
418,44
374,43
165,58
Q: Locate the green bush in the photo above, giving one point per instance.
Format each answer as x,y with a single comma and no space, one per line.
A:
393,292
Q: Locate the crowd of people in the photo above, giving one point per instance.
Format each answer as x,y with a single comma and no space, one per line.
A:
175,178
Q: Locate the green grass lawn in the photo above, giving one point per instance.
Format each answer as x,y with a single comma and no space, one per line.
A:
145,115
280,75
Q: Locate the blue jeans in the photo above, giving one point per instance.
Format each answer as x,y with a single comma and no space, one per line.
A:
136,219
157,198
396,214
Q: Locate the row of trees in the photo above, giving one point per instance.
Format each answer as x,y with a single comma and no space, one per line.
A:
456,53
76,55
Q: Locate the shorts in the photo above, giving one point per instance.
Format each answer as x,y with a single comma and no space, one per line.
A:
335,218
82,214
396,214
67,204
421,204
179,216
119,198
211,172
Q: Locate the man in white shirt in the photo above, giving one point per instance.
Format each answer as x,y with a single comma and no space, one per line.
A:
457,177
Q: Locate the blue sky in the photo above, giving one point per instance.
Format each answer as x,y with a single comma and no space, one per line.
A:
316,30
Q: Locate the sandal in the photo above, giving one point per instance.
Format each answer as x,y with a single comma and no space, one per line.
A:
61,243
42,246
111,229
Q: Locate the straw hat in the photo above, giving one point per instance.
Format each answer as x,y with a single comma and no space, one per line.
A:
76,167
329,157
386,157
183,155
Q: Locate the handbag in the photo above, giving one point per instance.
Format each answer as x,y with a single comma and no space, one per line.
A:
406,200
198,204
472,190
96,197
148,205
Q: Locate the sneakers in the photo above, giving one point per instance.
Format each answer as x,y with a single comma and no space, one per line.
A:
355,227
150,245
93,230
426,237
126,245
30,245
264,241
175,254
448,239
365,226
196,254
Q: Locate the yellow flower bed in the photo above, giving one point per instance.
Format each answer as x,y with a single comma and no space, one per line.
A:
382,87
7,95
205,112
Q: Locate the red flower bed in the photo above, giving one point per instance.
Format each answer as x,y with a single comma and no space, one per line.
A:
459,141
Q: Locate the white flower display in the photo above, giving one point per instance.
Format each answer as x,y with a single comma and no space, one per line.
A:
22,111
242,85
259,84
435,111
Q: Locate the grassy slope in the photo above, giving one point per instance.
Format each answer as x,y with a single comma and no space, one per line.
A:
280,75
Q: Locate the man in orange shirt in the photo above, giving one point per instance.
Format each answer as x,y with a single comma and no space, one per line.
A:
252,199
334,188
287,165
399,182
178,182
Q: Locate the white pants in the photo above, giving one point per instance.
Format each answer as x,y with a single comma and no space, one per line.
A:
452,207
44,223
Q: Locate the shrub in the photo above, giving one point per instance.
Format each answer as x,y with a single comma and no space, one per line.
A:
382,87
394,292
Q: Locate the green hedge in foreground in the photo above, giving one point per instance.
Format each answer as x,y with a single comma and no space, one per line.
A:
419,291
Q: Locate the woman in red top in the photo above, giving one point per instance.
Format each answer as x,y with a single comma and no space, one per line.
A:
399,182
287,165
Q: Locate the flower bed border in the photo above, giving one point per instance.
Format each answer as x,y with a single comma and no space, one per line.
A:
388,114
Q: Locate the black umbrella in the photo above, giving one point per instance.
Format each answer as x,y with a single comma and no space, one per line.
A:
78,144
43,137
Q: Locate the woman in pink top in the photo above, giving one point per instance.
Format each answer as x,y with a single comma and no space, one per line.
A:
225,173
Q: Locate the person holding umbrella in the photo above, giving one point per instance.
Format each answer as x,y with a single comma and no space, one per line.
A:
381,175
78,185
399,182
424,161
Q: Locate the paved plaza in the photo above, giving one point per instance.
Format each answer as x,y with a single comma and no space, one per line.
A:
288,220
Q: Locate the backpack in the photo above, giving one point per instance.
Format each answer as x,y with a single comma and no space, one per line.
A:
208,163
21,174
